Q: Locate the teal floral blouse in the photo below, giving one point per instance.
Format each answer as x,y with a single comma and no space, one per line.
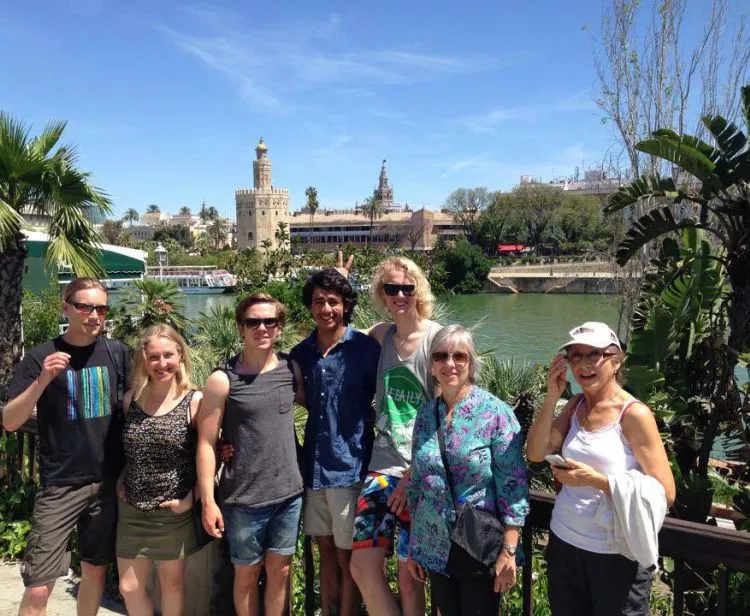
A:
483,448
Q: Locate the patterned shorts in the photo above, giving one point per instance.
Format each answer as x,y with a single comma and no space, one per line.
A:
374,524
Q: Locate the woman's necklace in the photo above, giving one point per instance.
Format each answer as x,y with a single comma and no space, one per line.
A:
587,418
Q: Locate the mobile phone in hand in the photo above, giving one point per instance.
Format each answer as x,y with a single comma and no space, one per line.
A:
557,460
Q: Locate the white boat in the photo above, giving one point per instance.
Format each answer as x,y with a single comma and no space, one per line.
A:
196,279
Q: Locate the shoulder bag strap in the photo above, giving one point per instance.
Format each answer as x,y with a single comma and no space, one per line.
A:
116,359
441,446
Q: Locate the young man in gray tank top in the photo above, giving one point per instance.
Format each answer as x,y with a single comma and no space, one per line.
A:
251,399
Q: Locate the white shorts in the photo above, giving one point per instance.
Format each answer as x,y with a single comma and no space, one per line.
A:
331,512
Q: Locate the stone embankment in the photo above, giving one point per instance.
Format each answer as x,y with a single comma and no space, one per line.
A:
596,277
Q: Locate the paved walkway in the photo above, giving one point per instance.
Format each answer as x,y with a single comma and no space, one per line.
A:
62,602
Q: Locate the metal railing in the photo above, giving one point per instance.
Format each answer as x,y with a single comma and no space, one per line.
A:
689,544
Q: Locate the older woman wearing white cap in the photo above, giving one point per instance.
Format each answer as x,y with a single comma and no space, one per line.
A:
601,433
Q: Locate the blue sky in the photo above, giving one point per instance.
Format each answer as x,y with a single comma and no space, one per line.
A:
166,100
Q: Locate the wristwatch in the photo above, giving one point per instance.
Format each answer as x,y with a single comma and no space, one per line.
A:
511,549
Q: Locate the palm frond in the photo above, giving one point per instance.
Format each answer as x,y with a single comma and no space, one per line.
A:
730,139
647,187
43,143
692,155
83,257
10,224
649,227
745,98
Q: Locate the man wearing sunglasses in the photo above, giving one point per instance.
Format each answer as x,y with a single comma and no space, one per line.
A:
75,382
259,498
339,368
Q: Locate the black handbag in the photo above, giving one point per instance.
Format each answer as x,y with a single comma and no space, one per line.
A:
477,536
201,536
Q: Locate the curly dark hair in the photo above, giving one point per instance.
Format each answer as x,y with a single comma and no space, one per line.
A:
330,279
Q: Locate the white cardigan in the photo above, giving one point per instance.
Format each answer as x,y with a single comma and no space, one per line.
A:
633,515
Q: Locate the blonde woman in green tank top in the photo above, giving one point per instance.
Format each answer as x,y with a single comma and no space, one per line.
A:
402,294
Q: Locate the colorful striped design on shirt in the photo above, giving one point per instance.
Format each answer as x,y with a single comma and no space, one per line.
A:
88,393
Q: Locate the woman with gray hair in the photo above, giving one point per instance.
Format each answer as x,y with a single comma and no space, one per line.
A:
466,448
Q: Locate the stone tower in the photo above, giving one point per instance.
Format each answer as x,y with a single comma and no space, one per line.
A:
261,208
384,192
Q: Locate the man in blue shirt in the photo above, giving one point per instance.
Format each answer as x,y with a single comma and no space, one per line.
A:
339,368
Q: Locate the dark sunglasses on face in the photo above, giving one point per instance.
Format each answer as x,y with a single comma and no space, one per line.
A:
459,357
594,356
391,290
101,309
269,323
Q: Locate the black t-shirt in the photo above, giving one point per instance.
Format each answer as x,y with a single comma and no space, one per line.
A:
78,415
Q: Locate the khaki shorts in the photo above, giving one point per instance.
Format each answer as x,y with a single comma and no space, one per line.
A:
91,508
331,512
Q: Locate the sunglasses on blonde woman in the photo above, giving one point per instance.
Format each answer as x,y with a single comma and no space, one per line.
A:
459,357
391,290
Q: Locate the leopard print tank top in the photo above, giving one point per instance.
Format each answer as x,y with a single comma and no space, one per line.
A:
159,455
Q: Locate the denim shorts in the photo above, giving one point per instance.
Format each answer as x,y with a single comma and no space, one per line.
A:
253,531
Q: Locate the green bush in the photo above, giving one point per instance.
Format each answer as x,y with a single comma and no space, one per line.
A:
41,316
466,267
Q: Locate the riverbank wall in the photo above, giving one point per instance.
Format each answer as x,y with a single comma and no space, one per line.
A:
594,278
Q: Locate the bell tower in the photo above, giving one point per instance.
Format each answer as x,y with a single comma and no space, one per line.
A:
261,208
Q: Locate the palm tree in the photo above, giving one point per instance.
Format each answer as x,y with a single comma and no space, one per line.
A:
212,213
153,209
312,205
131,216
148,302
203,212
185,211
373,209
723,203
37,176
217,233
282,235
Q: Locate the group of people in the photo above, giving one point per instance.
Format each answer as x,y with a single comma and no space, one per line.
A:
399,436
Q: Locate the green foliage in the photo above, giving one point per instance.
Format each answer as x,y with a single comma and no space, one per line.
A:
214,340
466,267
179,233
148,302
41,316
16,507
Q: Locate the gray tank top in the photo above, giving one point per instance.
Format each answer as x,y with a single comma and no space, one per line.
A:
259,423
403,386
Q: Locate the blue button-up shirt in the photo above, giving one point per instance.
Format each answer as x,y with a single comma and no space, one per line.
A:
339,390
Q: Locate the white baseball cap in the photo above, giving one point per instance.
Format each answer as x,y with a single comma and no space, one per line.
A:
593,334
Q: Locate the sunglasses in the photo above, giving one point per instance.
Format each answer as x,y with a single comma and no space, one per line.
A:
391,290
594,356
269,323
101,309
459,357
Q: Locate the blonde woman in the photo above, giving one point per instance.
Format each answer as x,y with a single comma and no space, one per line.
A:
156,487
401,292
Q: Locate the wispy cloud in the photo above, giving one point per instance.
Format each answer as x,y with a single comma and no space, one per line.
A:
489,121
336,146
397,117
466,163
269,67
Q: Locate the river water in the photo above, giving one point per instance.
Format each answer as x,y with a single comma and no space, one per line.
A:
525,326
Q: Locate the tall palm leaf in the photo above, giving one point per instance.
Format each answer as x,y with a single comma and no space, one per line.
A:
39,176
723,200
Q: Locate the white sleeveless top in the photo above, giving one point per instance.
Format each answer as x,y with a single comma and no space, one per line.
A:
605,450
